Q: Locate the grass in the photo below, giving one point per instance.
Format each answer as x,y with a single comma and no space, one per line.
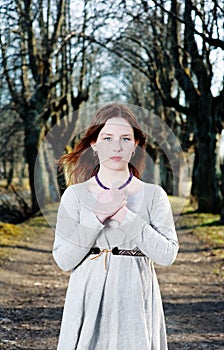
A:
208,229
205,226
9,232
14,235
16,183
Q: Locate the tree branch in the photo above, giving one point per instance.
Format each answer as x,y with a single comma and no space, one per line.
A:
215,42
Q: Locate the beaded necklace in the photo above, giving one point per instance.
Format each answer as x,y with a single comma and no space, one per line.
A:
107,188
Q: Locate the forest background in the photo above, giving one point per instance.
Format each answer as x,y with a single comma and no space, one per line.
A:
59,61
58,57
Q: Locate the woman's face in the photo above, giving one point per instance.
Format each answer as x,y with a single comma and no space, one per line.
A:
115,143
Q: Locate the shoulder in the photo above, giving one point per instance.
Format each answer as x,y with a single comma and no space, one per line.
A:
155,192
139,186
73,189
79,193
153,188
70,193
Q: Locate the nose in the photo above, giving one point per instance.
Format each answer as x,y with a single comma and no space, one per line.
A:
117,146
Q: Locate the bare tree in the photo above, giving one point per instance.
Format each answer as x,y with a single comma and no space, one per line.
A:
11,146
174,44
45,72
53,52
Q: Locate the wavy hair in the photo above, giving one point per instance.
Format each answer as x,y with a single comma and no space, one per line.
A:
80,164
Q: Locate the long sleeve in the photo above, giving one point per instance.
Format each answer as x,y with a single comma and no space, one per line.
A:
72,239
157,239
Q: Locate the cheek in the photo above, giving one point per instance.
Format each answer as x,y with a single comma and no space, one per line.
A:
103,150
127,154
128,148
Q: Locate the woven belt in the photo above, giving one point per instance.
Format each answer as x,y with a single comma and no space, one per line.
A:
114,251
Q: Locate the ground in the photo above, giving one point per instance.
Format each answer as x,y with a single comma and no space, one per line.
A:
33,291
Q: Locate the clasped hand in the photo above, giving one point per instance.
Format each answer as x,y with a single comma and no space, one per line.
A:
111,204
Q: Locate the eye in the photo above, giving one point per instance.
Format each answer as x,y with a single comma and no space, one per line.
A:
126,139
108,138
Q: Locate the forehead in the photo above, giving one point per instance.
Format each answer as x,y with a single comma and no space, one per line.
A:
117,124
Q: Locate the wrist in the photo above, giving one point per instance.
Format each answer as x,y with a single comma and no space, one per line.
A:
120,215
100,217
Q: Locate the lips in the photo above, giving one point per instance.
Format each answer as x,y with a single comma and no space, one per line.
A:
116,159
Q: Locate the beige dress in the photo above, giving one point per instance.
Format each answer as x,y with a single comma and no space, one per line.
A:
114,302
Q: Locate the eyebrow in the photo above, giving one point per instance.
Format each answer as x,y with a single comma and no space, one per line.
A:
108,134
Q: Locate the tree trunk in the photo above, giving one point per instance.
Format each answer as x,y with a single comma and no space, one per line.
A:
206,186
50,172
31,147
38,174
10,173
222,191
43,183
41,179
194,180
152,170
167,176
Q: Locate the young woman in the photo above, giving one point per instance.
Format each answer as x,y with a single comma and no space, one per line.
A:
111,228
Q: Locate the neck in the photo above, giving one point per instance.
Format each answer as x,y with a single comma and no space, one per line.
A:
113,178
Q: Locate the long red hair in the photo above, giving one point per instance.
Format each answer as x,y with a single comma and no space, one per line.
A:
80,164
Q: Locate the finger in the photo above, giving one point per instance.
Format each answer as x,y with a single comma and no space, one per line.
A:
119,194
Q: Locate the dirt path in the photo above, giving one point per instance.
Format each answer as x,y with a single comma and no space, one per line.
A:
33,291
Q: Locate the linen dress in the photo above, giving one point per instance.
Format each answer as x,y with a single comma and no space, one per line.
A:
113,302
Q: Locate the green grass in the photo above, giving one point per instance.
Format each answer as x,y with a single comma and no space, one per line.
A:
205,226
14,235
9,232
208,229
16,183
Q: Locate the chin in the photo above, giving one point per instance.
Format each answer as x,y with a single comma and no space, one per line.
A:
116,165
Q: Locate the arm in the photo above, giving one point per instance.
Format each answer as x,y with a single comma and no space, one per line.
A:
157,240
73,240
